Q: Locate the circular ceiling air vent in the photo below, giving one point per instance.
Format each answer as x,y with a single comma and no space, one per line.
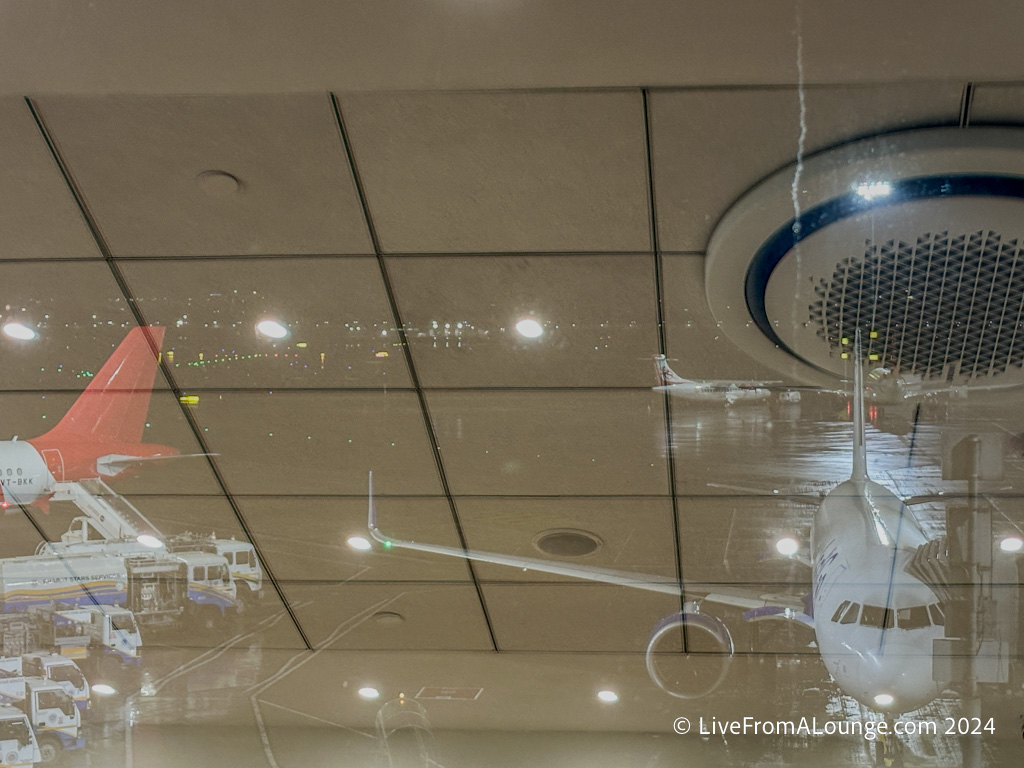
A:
915,238
567,542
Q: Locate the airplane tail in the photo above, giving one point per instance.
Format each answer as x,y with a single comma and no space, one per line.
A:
666,376
860,458
113,407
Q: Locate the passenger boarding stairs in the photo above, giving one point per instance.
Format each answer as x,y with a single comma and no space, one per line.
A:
107,514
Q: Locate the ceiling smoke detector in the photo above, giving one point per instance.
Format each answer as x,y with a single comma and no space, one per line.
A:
568,542
915,238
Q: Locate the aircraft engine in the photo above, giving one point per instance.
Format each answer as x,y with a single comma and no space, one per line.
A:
698,669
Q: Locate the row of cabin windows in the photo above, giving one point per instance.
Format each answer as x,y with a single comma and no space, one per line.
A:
915,617
10,472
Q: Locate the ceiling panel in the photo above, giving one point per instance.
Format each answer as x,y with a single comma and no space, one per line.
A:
633,535
349,616
334,311
206,515
305,539
39,218
731,539
997,103
511,684
696,344
502,172
548,442
575,617
156,172
268,625
597,314
310,443
708,147
366,45
79,315
20,535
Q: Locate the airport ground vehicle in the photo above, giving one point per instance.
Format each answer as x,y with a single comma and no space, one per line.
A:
52,667
158,587
52,714
18,746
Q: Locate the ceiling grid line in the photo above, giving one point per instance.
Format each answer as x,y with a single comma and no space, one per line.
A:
122,285
662,349
407,352
966,102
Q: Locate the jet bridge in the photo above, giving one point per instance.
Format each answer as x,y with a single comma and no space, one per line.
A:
107,514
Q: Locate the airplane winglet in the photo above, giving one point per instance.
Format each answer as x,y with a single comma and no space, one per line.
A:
371,517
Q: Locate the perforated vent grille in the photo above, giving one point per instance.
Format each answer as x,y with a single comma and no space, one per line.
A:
941,307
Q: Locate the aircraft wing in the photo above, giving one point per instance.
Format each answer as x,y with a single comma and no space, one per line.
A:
756,605
927,390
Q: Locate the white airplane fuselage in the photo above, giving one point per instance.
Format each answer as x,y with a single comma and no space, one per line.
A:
696,390
861,541
24,476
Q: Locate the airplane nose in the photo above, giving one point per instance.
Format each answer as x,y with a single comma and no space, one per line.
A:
898,683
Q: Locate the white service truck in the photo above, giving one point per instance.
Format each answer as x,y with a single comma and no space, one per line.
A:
49,666
58,669
18,746
83,537
103,638
158,587
51,713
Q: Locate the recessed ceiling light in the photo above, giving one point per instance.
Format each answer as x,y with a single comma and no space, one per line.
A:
369,693
1012,544
787,546
19,332
149,541
608,697
567,542
358,542
218,184
272,329
388,618
102,689
884,699
529,328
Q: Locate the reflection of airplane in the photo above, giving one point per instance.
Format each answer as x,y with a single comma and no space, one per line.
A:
874,622
101,435
726,391
887,387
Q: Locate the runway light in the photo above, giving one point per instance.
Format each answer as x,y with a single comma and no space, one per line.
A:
787,546
608,697
369,693
1012,544
149,541
102,689
529,328
19,332
272,329
872,189
884,699
358,542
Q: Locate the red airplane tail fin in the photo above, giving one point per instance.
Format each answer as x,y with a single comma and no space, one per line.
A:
113,407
